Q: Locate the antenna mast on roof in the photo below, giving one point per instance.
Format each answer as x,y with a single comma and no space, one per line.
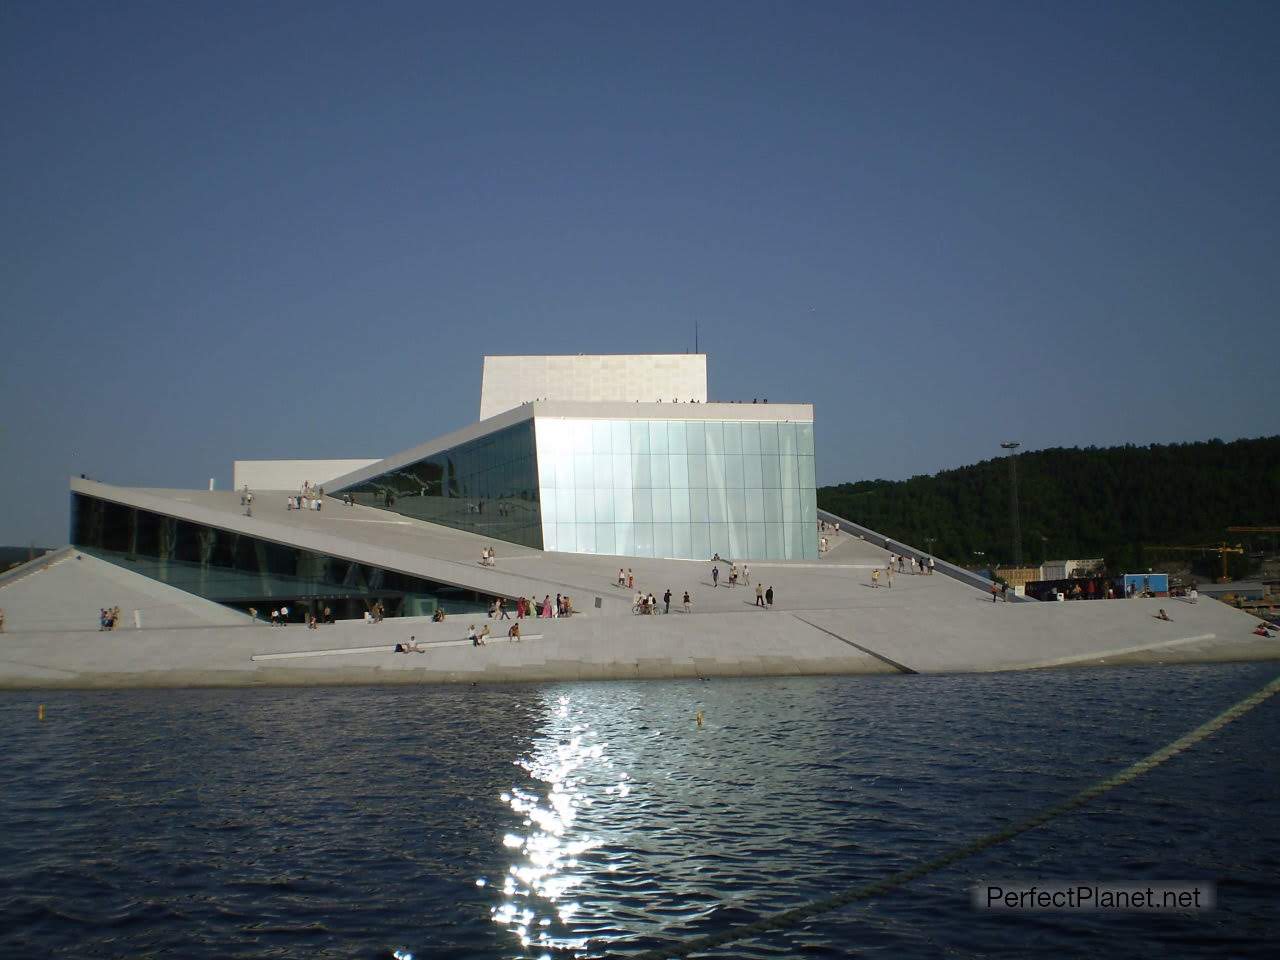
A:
695,335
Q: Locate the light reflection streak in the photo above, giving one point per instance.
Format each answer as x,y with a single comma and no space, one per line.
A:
571,772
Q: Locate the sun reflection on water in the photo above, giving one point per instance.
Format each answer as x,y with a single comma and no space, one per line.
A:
571,772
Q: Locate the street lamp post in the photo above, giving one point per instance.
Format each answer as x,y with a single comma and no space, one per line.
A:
1012,446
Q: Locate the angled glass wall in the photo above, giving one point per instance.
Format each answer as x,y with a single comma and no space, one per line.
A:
243,571
678,488
487,486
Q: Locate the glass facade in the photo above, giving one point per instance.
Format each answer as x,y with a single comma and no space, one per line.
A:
678,488
487,486
243,571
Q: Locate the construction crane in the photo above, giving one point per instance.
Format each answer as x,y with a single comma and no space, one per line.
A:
1221,549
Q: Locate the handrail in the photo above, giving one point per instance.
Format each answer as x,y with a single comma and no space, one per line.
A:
967,577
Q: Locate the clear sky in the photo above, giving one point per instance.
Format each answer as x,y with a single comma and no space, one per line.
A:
240,230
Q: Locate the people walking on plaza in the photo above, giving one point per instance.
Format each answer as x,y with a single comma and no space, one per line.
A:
666,601
275,617
759,594
715,576
546,607
631,579
995,589
901,564
768,598
622,578
1004,592
1,620
688,604
746,575
888,573
503,612
875,577
513,633
733,574
931,566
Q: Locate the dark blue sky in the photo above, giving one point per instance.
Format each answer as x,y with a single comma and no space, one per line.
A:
255,230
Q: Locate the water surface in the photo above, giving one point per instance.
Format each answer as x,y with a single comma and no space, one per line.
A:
598,819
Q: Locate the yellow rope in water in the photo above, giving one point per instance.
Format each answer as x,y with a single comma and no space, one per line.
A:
797,915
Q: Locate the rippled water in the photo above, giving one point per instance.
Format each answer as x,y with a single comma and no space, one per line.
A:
585,820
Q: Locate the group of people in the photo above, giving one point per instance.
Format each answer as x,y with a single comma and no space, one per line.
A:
562,606
108,618
735,575
410,646
646,603
479,638
487,558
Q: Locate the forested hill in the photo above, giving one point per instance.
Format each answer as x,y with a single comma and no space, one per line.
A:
1113,502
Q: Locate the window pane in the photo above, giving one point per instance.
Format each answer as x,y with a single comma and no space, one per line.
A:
681,542
772,476
581,436
715,436
623,512
755,506
586,537
661,541
644,540
657,436
661,505
719,536
699,541
737,506
772,506
640,471
768,437
733,474
697,470
622,471
679,506
602,469
675,437
750,438
601,442
698,509
639,436
733,437
695,437
773,541
752,477
583,470
604,507
642,505
624,536
756,545
586,506
679,466
790,472
804,436
621,431
604,538
806,473
659,466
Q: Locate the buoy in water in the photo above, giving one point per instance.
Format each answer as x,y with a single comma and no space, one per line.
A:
40,712
699,718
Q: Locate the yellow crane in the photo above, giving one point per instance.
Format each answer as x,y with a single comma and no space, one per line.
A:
1221,549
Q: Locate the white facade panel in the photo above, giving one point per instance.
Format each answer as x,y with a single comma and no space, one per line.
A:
508,382
291,474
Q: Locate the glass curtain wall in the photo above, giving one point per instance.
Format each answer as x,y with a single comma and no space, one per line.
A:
487,486
678,488
243,571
